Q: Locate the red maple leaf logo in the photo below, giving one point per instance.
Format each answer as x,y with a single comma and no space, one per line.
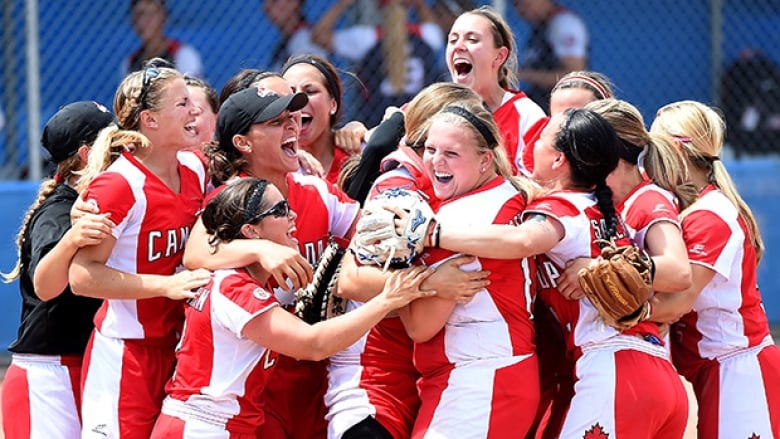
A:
755,436
596,432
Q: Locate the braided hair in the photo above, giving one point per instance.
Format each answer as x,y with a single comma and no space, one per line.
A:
592,148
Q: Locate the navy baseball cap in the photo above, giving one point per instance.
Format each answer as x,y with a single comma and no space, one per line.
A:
74,125
251,106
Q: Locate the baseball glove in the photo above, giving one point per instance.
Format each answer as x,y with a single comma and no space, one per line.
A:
318,301
619,284
376,240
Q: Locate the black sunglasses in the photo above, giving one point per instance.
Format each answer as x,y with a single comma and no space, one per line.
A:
278,210
150,73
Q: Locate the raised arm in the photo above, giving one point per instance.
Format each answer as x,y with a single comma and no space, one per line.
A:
281,261
282,332
322,32
536,235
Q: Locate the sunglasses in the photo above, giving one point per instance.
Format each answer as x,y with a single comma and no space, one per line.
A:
150,73
278,210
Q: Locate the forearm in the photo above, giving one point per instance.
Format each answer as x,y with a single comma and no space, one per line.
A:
322,32
51,274
670,307
96,279
336,334
360,282
671,274
424,318
493,241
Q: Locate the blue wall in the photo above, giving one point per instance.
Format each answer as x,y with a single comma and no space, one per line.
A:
756,180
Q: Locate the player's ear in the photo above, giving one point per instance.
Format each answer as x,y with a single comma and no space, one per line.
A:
559,161
147,118
249,232
83,153
501,56
242,144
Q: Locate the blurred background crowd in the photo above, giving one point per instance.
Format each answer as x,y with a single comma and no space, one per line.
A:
724,52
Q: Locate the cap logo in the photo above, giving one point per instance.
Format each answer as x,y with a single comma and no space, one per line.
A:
264,92
101,107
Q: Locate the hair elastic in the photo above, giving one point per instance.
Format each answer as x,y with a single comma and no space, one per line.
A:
475,122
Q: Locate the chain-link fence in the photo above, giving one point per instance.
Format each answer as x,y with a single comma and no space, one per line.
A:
724,52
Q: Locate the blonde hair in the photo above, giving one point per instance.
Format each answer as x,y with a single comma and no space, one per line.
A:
700,131
65,170
108,146
663,163
130,98
428,102
502,37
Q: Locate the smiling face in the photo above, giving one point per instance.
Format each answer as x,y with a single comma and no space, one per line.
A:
174,118
279,229
547,159
315,116
452,160
273,145
205,119
472,56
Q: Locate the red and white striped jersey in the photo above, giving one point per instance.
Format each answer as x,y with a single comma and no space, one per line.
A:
323,211
646,205
728,314
496,322
520,121
583,224
218,370
150,237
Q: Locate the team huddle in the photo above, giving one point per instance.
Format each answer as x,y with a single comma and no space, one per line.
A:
477,242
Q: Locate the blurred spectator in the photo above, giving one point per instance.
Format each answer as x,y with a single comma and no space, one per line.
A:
395,60
556,45
296,38
148,19
750,97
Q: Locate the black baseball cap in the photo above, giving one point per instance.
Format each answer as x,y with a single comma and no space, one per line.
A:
74,125
250,106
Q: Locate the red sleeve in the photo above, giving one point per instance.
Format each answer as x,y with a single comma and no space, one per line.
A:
247,294
705,235
552,206
113,194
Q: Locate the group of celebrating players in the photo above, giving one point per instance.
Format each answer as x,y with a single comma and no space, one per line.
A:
159,266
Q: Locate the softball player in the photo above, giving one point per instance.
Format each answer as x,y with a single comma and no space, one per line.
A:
562,226
131,352
235,329
267,147
723,346
42,389
372,384
472,51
